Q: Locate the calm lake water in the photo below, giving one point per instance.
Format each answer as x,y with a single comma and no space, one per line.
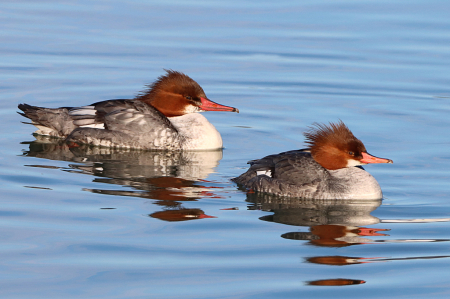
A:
95,223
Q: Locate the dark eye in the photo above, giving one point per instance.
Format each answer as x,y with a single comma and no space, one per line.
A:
351,153
188,98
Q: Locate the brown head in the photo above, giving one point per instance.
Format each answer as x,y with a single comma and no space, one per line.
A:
176,94
334,147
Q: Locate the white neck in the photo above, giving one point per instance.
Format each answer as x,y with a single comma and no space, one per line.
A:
197,132
352,162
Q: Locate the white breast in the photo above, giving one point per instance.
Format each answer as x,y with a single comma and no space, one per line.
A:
198,133
359,183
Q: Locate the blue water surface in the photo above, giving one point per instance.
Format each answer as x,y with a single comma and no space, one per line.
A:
96,223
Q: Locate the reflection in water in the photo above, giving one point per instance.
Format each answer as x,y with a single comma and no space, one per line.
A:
335,282
333,223
167,176
347,260
309,212
180,215
338,260
340,235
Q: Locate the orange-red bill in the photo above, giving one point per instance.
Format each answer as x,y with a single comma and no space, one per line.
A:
208,105
202,216
364,231
369,159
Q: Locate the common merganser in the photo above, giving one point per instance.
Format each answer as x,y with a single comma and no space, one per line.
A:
325,170
161,118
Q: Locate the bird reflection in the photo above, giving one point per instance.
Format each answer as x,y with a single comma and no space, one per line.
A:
335,224
168,177
180,215
338,260
330,235
335,282
332,223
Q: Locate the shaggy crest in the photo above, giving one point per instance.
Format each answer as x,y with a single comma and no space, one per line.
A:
322,134
327,142
174,81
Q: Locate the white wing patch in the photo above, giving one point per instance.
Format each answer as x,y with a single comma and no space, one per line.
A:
95,126
89,122
84,110
267,172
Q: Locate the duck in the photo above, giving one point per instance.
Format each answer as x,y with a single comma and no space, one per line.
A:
329,168
164,117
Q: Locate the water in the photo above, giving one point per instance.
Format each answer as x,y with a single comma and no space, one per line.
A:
89,223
